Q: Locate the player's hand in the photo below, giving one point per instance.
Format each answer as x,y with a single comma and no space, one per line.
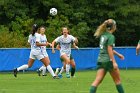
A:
77,47
115,65
137,54
53,51
50,44
121,56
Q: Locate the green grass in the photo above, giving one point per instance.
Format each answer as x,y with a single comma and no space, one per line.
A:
31,83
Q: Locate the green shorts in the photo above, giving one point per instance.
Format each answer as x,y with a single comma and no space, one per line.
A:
108,66
62,60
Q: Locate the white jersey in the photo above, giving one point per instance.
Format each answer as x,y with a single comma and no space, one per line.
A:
43,48
65,44
35,50
33,39
43,41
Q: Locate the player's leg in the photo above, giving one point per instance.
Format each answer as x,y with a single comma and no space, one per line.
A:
137,49
46,62
63,68
99,77
67,60
115,74
24,67
73,67
43,69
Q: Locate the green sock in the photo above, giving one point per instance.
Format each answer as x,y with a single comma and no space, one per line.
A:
120,88
93,89
72,71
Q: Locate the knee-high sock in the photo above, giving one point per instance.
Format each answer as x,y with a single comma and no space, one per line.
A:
72,71
62,70
50,70
23,67
67,68
93,89
43,70
120,88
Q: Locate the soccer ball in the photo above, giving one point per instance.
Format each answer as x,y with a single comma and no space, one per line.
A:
53,11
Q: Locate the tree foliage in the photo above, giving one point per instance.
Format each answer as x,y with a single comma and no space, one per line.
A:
82,17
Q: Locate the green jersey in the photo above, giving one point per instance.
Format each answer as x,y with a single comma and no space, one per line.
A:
139,42
106,39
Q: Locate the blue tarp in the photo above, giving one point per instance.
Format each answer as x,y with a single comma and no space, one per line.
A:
85,58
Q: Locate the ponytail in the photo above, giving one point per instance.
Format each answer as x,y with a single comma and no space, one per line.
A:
100,30
34,29
107,25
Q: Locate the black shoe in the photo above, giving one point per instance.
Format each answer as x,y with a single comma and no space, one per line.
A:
55,77
15,72
44,75
39,72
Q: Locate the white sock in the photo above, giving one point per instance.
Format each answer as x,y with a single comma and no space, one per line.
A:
50,70
62,70
23,67
43,70
57,70
67,68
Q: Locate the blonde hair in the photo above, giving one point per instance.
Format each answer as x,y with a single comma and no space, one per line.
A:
100,30
107,25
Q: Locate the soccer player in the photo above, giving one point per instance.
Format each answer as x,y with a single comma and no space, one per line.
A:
72,63
138,48
65,42
43,39
36,52
106,61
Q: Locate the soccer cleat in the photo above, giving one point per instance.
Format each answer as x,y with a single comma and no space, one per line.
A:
39,72
60,75
44,75
15,72
73,76
68,75
55,77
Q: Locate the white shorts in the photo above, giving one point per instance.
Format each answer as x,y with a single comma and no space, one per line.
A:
36,54
44,52
62,53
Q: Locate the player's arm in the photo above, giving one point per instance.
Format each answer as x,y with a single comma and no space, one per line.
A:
40,44
118,54
58,47
74,46
76,40
111,55
137,49
38,41
48,44
53,43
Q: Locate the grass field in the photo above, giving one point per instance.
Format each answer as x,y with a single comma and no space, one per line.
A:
31,83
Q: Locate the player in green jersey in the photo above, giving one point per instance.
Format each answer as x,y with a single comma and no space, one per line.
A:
138,48
106,61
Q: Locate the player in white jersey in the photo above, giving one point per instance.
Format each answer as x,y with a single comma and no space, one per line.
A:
65,42
42,30
36,52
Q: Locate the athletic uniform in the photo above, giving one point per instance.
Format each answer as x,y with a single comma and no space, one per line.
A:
71,58
43,48
65,44
35,52
104,61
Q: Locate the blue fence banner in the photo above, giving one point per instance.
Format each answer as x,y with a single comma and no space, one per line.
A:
85,58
